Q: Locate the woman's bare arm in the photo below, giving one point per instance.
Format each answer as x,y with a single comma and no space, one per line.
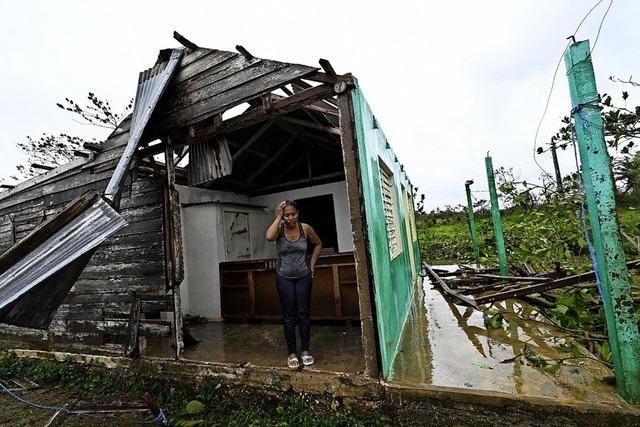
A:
315,240
274,229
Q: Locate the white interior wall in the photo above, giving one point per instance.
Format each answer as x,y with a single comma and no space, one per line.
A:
340,207
204,242
201,287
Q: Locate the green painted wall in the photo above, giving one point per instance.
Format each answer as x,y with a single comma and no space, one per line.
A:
393,278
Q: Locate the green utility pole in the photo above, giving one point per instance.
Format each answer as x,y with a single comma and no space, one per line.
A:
472,223
495,214
599,189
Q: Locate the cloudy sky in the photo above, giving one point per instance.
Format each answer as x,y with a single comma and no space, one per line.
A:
448,81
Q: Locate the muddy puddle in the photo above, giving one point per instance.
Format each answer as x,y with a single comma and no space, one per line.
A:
446,344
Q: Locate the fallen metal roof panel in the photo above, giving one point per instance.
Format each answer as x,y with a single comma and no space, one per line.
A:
78,236
152,83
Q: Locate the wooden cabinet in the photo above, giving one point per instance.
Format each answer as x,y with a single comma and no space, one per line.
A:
248,289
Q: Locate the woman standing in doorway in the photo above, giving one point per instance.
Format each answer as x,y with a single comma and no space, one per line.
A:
294,276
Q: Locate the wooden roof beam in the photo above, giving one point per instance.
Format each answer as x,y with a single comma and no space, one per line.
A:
248,56
271,159
248,118
184,41
300,122
328,68
316,139
300,181
328,109
302,85
92,146
252,140
43,167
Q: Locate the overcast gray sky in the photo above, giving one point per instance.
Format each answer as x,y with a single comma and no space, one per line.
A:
448,80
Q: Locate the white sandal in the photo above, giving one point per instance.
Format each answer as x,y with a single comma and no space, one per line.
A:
307,360
293,362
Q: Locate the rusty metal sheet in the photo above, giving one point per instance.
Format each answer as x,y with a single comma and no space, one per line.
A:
208,161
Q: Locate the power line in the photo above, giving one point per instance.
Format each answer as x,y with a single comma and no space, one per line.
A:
555,73
595,42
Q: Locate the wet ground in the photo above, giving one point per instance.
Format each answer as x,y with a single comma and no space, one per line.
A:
448,345
335,348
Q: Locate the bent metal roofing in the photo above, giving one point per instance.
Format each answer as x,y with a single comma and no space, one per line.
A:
205,82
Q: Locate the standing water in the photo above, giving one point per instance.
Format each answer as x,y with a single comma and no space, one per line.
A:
446,344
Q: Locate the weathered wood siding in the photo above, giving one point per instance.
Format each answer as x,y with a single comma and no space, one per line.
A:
96,309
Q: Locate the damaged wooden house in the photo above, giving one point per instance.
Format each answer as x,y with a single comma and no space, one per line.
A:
163,223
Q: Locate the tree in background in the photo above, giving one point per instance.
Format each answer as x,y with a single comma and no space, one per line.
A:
621,131
50,150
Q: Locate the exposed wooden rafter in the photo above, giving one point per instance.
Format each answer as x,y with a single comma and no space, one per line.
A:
252,140
184,41
300,181
300,85
311,125
248,56
280,107
327,67
272,158
296,130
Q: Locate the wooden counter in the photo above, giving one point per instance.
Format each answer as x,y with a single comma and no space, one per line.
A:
248,289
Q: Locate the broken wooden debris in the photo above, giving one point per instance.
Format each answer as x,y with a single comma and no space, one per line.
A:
184,41
466,299
244,52
541,287
327,67
514,278
81,153
43,167
21,384
92,146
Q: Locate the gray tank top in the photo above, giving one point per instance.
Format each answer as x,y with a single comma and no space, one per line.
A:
292,256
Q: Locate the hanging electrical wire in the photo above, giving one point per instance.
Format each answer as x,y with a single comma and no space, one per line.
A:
555,73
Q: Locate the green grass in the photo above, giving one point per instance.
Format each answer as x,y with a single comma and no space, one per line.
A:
187,403
546,238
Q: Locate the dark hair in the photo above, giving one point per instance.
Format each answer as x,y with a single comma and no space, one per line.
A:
290,203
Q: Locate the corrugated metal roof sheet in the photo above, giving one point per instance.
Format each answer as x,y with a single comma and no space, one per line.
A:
152,83
208,161
77,237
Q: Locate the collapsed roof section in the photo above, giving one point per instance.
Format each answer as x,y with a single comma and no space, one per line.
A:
209,82
249,124
181,101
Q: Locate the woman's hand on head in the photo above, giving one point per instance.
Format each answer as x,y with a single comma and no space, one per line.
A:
280,208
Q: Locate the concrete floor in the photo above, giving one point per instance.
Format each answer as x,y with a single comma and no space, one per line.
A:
336,348
445,344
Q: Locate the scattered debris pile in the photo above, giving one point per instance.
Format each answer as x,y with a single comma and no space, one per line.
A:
569,302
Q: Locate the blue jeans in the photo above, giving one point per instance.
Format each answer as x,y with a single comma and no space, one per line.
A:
295,298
